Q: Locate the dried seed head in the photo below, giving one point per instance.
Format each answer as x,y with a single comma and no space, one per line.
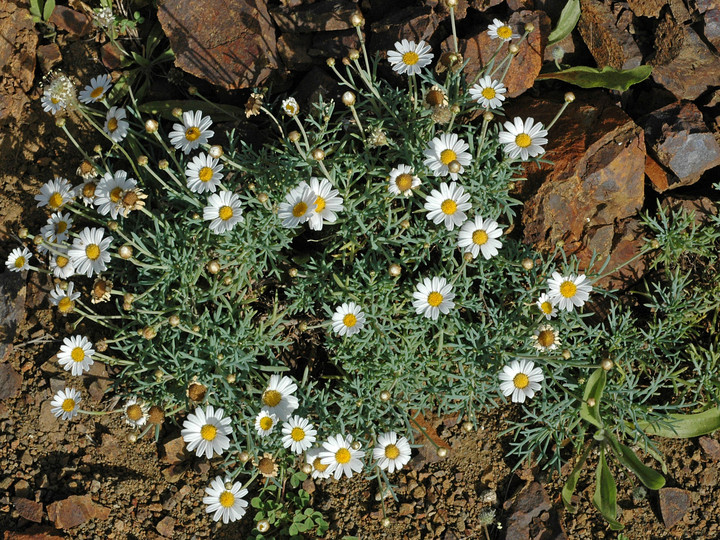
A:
455,108
125,251
527,263
131,438
405,224
216,151
454,166
156,415
60,122
566,354
37,239
149,332
101,345
262,198
353,54
348,98
128,298
468,257
163,164
213,267
386,522
196,391
151,126
394,270
303,326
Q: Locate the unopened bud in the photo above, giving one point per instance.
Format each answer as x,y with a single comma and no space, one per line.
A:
195,216
529,27
348,98
177,112
356,445
149,332
451,3
192,90
566,354
216,151
263,525
330,62
394,270
163,164
345,61
128,297
294,136
488,116
231,378
607,364
468,426
527,263
455,108
318,154
23,232
468,256
244,457
262,198
569,97
303,326
151,126
386,522
60,122
227,281
514,49
353,54
37,239
195,328
356,19
454,166
591,402
385,395
293,272
142,160
125,252
131,438
306,468
97,149
404,224
442,452
174,320
213,267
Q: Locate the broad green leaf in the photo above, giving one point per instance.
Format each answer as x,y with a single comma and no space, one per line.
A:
651,478
593,389
607,77
568,19
684,426
164,109
293,530
605,496
48,9
35,10
571,482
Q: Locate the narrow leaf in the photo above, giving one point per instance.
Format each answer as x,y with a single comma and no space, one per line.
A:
48,9
593,389
568,19
607,77
650,477
684,426
605,497
571,482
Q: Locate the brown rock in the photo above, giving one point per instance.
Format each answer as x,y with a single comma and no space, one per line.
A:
17,46
647,8
293,51
323,16
98,381
609,45
75,510
174,451
30,510
73,22
230,45
10,382
530,503
704,5
406,509
49,56
711,27
36,532
657,174
674,504
174,472
413,23
482,5
111,56
711,447
333,44
702,208
166,527
678,140
110,446
309,486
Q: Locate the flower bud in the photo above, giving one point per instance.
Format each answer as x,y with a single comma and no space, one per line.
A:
163,164
131,438
227,281
527,263
468,256
196,328
442,452
151,126
23,232
262,198
294,136
293,272
566,354
306,468
113,225
97,149
303,326
213,267
125,252
244,457
404,224
263,525
451,3
195,216
356,19
216,151
467,426
454,166
128,298
158,374
606,364
60,122
356,445
348,98
192,90
488,116
142,160
330,62
385,396
149,332
455,108
514,49
394,270
177,112
654,244
569,97
174,320
318,154
345,61
353,54
37,239
386,522
231,378
591,402
529,27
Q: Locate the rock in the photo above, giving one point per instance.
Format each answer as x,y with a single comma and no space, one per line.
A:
647,8
174,451
73,22
678,141
22,488
174,472
595,183
704,5
609,45
98,381
36,532
111,56
412,23
10,382
333,44
529,504
674,504
110,447
406,509
323,16
703,208
166,527
309,486
482,5
711,447
75,510
30,510
239,52
711,28
682,62
18,44
49,56
293,51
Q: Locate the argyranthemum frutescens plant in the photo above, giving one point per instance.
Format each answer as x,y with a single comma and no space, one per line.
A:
364,253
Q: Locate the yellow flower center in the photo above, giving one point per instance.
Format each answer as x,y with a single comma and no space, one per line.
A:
55,200
391,451
546,307
208,432
349,320
504,32
448,207
521,381
546,338
447,156
112,124
404,181
319,465
89,190
192,134
319,204
54,100
226,499
116,194
267,466
342,456
20,262
568,289
134,412
266,423
410,58
65,304
435,299
77,354
62,261
488,93
61,227
272,398
225,213
68,405
205,174
479,237
92,251
299,209
297,434
523,140
97,92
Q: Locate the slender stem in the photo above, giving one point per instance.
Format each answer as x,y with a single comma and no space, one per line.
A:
272,117
562,109
302,130
454,31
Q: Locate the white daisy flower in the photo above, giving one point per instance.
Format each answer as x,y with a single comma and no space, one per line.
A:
348,319
64,299
327,203
76,355
278,397
96,90
192,133
203,174
87,190
445,149
320,470
299,206
290,106
448,205
391,453
136,412
265,422
403,180
225,499
110,192
90,253
501,30
432,297
409,58
568,292
207,431
55,193
56,230
298,434
488,93
524,139
51,103
546,306
480,236
115,124
60,264
546,338
340,457
223,211
520,380
19,259
65,403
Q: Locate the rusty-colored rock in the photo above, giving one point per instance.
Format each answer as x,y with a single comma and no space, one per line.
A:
323,16
230,45
111,56
674,504
711,447
17,58
532,501
10,382
607,43
678,140
49,56
75,510
702,208
711,27
166,527
73,22
30,510
647,8
658,176
174,451
333,44
413,24
98,381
